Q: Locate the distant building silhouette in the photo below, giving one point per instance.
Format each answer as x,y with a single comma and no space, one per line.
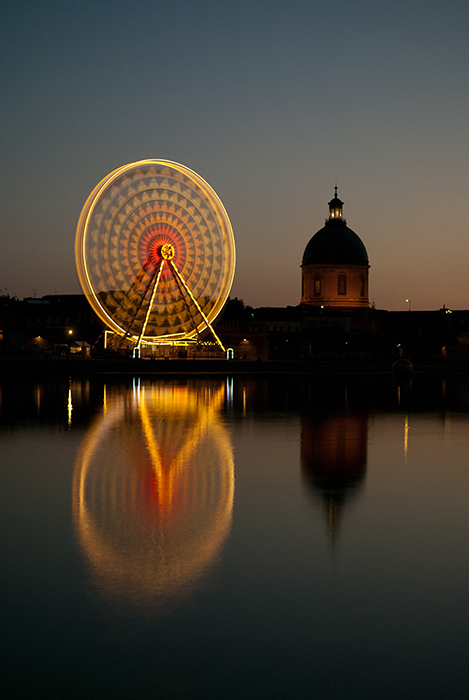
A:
47,324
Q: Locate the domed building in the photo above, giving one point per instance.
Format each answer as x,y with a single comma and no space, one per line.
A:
335,265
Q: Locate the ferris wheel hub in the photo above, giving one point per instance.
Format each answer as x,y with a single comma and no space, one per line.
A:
167,251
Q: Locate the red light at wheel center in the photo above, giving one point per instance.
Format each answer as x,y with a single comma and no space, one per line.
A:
160,248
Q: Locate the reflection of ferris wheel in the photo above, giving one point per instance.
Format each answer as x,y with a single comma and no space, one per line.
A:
155,252
153,489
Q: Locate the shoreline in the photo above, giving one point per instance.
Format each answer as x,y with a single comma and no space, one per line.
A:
79,366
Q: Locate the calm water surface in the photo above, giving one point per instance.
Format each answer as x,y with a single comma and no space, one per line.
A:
220,538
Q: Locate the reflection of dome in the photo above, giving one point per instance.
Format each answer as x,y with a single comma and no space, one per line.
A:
333,454
153,491
335,264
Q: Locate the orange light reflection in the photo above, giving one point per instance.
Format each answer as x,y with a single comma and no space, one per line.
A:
153,491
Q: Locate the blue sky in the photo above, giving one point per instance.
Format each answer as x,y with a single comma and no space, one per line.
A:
273,103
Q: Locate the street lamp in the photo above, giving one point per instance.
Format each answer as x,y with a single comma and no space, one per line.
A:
409,302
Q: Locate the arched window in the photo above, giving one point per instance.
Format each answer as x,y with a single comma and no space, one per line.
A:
342,284
317,286
362,286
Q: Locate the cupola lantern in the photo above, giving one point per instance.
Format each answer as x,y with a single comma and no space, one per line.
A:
335,207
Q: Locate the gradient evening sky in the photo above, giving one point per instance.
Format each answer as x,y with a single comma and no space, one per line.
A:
272,103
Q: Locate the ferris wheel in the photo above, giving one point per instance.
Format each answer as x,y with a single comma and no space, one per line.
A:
155,253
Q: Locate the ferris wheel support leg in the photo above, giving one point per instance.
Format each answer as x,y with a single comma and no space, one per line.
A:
128,331
179,276
183,297
150,305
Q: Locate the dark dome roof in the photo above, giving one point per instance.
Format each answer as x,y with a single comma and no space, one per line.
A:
335,244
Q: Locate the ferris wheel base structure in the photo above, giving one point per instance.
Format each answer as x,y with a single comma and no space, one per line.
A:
155,256
174,349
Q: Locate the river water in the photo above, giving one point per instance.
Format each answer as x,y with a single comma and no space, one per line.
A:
277,537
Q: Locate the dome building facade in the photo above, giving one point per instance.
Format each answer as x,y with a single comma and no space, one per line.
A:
335,265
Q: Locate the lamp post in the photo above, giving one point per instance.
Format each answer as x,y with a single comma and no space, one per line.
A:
409,302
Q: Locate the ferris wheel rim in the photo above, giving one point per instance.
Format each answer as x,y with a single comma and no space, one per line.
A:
210,200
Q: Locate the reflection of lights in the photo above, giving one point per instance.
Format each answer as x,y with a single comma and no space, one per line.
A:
229,392
153,490
69,405
406,437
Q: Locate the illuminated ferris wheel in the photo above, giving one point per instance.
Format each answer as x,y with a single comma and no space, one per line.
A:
155,253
